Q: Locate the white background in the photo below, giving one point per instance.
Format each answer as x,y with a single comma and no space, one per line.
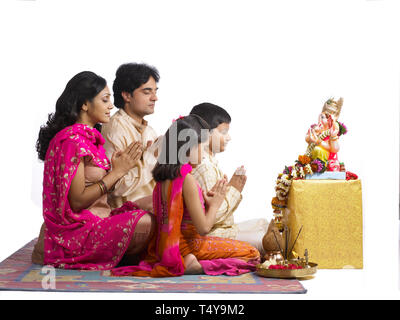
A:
271,64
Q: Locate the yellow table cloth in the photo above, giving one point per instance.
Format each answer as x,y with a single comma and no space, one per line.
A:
330,212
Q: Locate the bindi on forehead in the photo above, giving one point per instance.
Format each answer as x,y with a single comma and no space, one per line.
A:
105,91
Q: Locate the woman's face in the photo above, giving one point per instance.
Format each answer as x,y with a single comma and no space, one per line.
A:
99,109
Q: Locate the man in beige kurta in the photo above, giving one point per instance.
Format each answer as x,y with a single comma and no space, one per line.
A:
119,133
135,95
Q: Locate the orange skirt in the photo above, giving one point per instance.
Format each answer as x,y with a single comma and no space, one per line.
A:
210,248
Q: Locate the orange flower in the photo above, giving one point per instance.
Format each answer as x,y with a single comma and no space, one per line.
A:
304,159
278,204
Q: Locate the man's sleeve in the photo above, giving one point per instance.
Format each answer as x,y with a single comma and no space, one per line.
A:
118,139
150,155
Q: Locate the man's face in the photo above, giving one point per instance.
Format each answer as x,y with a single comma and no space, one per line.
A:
141,102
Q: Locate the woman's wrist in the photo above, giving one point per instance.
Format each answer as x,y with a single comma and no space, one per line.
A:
118,174
111,179
102,186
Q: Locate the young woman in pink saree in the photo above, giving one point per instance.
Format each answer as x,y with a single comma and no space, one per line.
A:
80,230
184,215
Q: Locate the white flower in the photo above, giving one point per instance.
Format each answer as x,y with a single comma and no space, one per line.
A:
281,195
284,187
268,263
285,180
308,169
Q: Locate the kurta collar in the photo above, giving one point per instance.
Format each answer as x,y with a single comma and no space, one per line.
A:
139,126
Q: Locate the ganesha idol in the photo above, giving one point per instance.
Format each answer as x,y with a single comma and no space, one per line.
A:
320,161
323,138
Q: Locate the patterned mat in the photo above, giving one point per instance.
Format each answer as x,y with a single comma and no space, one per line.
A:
18,273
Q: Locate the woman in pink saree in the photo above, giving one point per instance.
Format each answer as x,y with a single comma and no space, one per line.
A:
184,214
80,231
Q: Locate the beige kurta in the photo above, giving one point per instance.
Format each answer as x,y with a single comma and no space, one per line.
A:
119,133
207,173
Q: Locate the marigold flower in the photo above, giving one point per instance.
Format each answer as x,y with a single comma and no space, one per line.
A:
278,204
304,159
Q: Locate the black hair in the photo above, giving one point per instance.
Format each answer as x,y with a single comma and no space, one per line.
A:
182,135
82,88
129,77
212,114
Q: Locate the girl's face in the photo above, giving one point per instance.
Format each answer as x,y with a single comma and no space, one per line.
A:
219,138
99,109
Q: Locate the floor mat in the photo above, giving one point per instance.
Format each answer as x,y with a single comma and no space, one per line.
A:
18,273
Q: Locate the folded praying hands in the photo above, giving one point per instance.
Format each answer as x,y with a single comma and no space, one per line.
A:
124,160
216,195
238,179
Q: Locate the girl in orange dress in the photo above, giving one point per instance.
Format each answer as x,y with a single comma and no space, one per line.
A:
184,214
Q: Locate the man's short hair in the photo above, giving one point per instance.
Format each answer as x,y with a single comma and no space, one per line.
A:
129,77
212,114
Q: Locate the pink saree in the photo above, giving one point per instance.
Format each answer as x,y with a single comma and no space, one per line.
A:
176,237
81,240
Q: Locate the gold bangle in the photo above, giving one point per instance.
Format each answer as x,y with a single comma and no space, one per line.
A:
102,186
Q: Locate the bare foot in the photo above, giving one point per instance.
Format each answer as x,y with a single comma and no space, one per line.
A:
192,265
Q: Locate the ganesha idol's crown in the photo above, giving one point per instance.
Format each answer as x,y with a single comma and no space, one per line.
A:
333,107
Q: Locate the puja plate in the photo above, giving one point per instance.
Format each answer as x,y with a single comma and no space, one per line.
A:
286,273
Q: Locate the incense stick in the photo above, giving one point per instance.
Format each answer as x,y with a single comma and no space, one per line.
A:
277,242
296,239
286,241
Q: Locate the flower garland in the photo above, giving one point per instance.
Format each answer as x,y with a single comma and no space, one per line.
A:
303,165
